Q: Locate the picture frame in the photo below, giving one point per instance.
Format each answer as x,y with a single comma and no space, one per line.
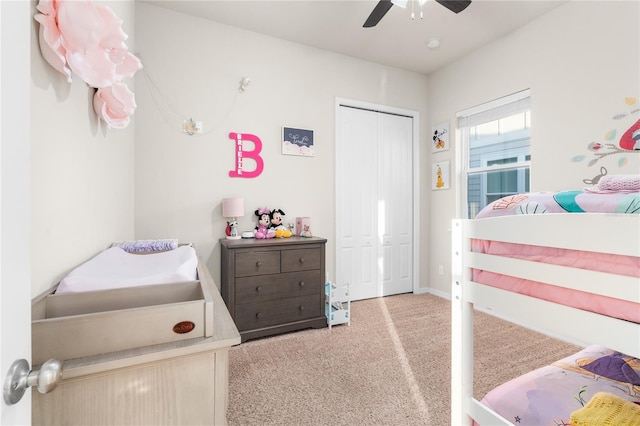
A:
297,141
440,139
440,176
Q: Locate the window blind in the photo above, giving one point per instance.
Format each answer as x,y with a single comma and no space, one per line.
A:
494,110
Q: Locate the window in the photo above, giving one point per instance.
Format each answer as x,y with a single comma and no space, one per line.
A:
495,147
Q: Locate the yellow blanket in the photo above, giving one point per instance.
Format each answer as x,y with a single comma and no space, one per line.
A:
605,409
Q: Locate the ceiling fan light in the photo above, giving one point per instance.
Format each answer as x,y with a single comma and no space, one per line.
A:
400,3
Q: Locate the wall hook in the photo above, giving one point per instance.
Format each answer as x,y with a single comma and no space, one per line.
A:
244,83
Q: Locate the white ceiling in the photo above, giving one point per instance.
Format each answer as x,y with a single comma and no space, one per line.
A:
397,40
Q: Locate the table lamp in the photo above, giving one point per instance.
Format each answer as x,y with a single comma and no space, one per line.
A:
232,208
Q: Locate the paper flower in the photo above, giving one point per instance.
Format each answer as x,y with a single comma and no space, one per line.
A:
84,38
115,105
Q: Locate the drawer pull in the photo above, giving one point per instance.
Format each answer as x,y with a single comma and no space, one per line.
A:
301,260
258,263
259,315
301,308
259,289
301,283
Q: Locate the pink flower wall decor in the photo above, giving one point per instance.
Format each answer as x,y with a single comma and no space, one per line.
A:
115,105
84,38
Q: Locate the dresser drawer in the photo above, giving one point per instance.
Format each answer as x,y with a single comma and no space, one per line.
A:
274,312
257,263
268,287
301,259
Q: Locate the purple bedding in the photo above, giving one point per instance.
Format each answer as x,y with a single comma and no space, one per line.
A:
548,396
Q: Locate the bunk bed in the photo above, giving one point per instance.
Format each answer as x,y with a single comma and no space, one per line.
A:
477,272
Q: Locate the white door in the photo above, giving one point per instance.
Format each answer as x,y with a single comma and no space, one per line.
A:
395,207
356,202
15,282
374,202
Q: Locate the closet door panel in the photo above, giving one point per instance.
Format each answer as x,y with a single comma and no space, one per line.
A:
355,201
395,136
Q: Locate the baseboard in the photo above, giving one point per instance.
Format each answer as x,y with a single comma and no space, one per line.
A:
438,293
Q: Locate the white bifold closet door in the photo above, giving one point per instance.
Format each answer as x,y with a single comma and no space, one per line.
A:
374,205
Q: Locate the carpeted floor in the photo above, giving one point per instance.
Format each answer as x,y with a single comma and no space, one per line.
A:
390,367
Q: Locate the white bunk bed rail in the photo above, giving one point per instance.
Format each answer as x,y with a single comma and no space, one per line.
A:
595,232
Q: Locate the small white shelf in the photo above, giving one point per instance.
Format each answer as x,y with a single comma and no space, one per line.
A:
338,304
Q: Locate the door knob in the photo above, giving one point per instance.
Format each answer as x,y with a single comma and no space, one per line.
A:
20,377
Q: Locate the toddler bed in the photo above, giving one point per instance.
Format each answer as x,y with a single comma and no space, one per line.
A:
122,299
594,256
144,338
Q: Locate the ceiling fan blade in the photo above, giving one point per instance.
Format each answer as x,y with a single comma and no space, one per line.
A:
455,6
378,13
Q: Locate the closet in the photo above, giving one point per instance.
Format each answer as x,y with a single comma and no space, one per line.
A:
374,202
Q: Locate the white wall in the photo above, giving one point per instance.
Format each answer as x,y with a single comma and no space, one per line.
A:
82,179
581,61
197,65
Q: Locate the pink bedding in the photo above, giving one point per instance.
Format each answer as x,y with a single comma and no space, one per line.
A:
623,265
549,395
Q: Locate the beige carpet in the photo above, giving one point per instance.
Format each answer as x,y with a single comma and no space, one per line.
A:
390,367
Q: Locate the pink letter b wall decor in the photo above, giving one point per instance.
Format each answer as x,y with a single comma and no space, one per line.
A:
242,152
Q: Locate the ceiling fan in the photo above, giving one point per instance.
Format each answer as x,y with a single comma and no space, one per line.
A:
383,7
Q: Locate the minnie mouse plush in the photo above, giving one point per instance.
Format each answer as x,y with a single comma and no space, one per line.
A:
264,220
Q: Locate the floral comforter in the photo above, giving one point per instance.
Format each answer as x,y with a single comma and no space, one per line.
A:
548,396
580,201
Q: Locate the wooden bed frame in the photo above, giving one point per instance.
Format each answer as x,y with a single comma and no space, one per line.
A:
600,233
179,382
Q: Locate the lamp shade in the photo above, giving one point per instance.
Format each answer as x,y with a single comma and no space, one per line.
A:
232,207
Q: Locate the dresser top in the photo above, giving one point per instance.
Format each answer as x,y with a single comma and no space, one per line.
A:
269,242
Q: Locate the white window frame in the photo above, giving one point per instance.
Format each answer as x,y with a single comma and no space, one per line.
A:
490,111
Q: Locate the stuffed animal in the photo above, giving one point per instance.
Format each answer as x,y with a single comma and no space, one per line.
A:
232,229
281,231
264,220
306,232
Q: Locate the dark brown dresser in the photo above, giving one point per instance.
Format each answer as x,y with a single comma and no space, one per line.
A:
274,285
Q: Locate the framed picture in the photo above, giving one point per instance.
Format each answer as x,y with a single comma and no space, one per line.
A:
440,175
297,142
440,138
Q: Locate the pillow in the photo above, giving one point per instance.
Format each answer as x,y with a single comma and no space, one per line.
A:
605,409
143,246
619,183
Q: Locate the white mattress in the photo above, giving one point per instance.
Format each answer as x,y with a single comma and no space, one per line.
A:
115,268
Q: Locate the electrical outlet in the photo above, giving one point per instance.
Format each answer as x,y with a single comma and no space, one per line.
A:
441,269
